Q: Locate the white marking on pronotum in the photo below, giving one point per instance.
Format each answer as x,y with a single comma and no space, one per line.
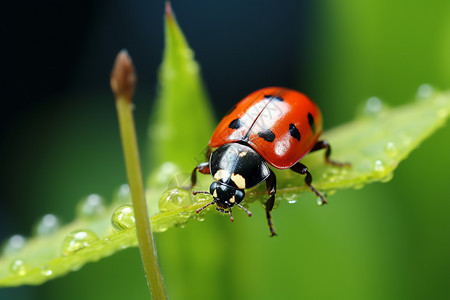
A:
214,194
232,200
238,180
221,174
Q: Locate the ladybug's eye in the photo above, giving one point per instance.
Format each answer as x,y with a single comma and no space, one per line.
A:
213,188
239,196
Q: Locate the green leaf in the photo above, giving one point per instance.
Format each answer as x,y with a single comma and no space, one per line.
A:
374,145
182,121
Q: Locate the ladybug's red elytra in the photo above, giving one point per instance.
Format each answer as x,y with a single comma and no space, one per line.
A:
273,125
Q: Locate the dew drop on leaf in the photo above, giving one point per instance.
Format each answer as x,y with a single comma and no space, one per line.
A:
320,201
390,149
46,271
14,244
373,106
424,91
290,197
123,194
378,166
199,217
173,199
78,240
123,218
91,206
47,225
19,267
200,198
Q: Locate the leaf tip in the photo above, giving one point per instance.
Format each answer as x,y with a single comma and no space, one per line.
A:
169,12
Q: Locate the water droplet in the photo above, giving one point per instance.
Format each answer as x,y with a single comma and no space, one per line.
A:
378,166
391,149
373,106
424,91
123,194
200,198
160,228
199,217
14,244
91,206
47,225
19,267
46,271
183,217
123,218
78,240
290,197
173,199
320,202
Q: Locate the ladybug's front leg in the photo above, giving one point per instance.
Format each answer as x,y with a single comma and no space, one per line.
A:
302,169
324,145
202,168
271,183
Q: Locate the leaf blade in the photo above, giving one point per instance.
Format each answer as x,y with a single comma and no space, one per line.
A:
408,125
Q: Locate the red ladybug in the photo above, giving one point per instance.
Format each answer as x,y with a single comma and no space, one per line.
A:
275,126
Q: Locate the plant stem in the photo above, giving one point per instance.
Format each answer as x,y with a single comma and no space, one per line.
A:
123,81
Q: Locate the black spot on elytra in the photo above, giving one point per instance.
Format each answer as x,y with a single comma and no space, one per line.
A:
267,135
277,98
294,131
235,124
311,123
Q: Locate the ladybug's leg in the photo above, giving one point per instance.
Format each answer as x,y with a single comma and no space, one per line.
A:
302,169
324,145
202,168
271,183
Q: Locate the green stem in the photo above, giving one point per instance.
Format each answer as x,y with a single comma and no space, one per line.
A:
123,81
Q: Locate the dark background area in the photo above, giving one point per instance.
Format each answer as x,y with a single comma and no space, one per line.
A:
58,58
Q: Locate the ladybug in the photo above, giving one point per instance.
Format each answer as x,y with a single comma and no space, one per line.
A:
272,126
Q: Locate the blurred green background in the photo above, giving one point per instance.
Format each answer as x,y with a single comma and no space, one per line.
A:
60,142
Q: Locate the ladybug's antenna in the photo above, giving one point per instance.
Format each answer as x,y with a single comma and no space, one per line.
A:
200,192
249,213
205,206
231,215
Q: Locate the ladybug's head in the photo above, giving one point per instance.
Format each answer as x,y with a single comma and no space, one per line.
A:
225,197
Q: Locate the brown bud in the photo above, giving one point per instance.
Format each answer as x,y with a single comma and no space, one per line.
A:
123,76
